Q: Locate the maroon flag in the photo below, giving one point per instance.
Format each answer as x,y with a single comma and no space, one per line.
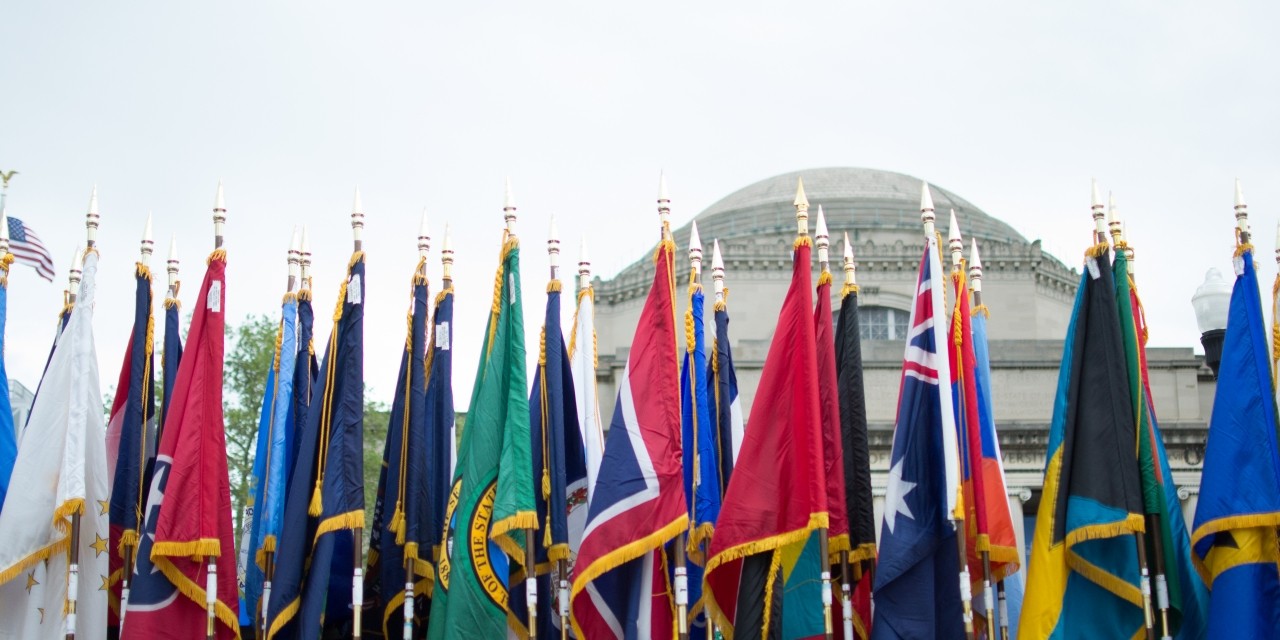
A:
188,523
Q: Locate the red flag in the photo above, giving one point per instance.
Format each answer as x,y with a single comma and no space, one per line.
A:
987,509
829,404
189,509
776,495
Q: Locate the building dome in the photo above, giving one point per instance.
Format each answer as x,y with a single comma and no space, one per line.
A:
852,199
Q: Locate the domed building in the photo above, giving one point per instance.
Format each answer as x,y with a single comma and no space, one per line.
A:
1029,293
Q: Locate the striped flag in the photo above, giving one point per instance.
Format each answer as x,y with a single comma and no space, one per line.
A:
619,583
28,249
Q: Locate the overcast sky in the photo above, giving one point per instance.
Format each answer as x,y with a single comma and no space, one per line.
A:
1012,105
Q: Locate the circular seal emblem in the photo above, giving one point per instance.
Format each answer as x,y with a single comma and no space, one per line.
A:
483,553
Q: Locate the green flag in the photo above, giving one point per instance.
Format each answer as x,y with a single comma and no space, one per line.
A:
492,496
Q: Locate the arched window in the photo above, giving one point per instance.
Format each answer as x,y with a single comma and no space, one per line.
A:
882,323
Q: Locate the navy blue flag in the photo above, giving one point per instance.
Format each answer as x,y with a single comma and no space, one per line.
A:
917,584
727,408
133,408
559,474
172,356
396,535
305,373
441,421
702,490
313,579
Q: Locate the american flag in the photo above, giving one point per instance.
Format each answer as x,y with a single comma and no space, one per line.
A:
27,249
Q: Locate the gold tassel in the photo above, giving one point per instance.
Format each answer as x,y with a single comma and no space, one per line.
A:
824,278
546,484
554,286
397,523
317,507
847,289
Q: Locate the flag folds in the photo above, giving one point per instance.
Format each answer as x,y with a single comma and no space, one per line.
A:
638,505
8,439
582,356
1083,579
916,584
398,536
559,474
188,520
701,469
60,471
777,495
441,427
727,407
1234,537
129,435
492,499
312,586
857,453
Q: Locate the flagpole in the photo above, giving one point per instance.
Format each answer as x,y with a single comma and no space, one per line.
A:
5,176
846,571
957,516
562,565
357,533
823,243
1098,212
681,569
211,574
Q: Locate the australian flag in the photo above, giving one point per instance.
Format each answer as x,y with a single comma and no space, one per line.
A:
917,589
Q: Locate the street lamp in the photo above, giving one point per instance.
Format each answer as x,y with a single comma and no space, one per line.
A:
1211,301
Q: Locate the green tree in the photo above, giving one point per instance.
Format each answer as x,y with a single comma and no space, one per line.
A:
252,353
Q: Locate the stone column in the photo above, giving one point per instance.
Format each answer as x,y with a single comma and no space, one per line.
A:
877,507
1190,497
1017,497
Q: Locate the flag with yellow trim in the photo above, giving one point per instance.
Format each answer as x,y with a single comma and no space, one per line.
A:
492,500
312,586
1234,538
188,518
1083,578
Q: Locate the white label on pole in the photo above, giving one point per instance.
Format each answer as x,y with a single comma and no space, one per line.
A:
442,336
1238,263
214,301
564,599
1092,264
211,586
531,592
682,587
357,588
354,295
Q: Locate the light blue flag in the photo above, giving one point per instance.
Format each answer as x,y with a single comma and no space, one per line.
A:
8,439
250,589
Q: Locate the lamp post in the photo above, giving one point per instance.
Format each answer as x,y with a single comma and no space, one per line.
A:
1210,302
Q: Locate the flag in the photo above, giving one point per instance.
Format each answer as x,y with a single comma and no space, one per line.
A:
305,373
857,453
312,586
257,472
64,316
559,475
1187,595
727,407
638,505
1014,583
1083,580
1234,537
399,528
8,436
442,432
582,353
271,461
701,469
28,249
494,480
917,591
61,470
129,437
777,495
171,357
167,597
989,522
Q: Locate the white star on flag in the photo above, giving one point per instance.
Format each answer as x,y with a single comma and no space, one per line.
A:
895,496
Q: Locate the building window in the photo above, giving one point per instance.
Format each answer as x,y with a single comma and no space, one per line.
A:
882,323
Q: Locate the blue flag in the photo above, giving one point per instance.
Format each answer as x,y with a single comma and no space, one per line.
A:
1234,538
727,407
247,543
305,373
273,459
441,427
560,475
312,585
917,589
172,356
702,469
8,437
397,536
132,411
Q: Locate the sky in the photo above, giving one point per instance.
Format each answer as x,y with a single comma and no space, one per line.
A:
1014,106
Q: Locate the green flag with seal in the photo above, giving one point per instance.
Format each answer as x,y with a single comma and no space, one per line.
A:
491,500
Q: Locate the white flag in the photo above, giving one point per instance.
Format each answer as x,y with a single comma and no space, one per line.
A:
61,469
582,356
